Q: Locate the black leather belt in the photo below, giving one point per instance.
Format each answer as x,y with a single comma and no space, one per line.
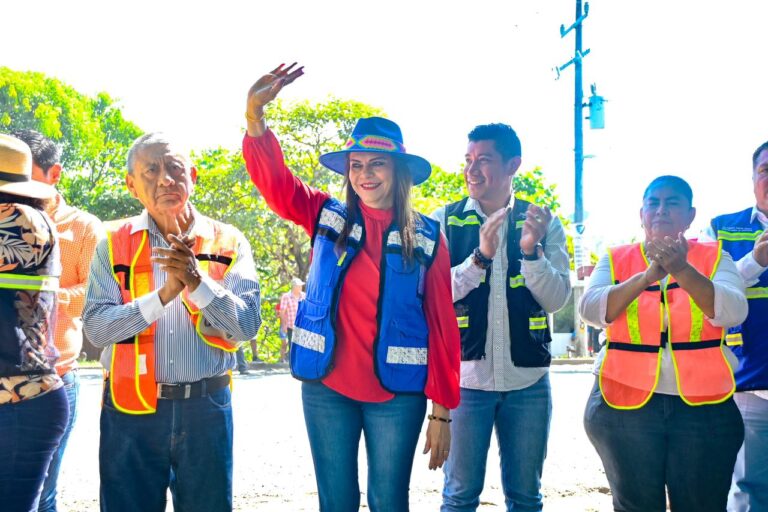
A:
197,389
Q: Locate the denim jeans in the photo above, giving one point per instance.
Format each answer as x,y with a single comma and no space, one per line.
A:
334,424
186,445
48,496
689,449
522,419
749,488
30,431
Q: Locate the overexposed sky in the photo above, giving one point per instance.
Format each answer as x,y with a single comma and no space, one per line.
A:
684,79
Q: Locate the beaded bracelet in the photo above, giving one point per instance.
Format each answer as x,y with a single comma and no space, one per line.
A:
431,417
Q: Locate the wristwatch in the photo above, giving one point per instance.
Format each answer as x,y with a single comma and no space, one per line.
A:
535,255
480,260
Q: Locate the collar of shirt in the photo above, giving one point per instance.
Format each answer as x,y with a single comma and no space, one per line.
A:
473,204
58,209
760,216
199,227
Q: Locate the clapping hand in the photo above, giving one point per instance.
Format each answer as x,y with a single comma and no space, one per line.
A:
669,253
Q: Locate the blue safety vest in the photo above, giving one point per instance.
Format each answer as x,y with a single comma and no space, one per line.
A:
401,343
749,341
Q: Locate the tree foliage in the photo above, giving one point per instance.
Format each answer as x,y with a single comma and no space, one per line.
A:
92,132
95,138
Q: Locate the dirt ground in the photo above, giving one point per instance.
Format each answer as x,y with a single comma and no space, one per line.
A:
273,467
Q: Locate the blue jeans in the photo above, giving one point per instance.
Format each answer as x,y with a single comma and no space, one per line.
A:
334,424
749,488
522,419
689,449
48,497
30,431
186,445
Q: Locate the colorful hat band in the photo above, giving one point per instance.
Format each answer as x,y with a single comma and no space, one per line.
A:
376,142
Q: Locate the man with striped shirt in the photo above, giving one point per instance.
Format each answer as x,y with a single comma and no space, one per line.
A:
78,232
172,293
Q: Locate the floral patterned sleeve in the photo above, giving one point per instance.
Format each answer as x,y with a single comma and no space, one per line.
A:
28,250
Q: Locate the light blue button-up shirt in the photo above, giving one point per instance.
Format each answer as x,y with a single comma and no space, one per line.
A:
180,354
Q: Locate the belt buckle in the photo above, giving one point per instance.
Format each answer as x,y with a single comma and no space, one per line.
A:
187,390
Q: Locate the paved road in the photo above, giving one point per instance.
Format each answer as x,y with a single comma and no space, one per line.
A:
273,466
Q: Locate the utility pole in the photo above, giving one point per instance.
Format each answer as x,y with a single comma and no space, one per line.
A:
578,150
578,126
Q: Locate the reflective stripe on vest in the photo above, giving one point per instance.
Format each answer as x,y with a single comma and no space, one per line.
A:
463,322
738,236
630,370
469,220
133,386
733,339
757,292
29,282
515,281
535,323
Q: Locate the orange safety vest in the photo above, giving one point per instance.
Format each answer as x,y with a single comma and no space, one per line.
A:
630,370
133,387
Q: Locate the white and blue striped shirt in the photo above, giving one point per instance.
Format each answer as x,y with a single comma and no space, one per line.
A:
180,354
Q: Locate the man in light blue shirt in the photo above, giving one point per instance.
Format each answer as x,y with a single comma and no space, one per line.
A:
173,333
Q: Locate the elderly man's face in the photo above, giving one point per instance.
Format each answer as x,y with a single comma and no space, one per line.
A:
161,180
760,181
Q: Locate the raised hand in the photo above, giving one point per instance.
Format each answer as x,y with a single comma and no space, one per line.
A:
535,227
268,86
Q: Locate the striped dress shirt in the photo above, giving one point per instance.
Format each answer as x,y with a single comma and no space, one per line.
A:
180,354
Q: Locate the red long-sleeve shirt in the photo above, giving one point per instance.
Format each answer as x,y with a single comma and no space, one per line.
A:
353,375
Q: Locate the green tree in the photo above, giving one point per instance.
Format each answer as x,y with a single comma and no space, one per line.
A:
92,131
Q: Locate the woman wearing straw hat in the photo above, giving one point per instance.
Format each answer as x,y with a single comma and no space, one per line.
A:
33,403
375,333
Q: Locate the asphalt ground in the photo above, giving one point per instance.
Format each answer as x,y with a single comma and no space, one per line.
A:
273,466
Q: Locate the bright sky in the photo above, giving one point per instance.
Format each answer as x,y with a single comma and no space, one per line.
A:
685,79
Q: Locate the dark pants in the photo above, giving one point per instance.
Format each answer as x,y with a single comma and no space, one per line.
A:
48,497
30,432
242,364
186,445
334,424
690,450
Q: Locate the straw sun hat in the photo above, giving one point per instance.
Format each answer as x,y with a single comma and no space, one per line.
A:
16,170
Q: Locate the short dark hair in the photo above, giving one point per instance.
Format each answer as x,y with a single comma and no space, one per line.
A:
676,183
757,152
45,152
506,140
